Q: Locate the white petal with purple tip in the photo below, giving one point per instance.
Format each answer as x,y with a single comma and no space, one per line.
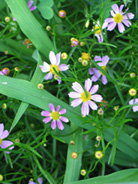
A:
94,89
74,95
111,26
77,87
52,58
64,119
121,27
48,76
4,134
85,109
1,128
45,113
47,120
96,98
93,105
88,84
104,79
115,8
76,102
63,67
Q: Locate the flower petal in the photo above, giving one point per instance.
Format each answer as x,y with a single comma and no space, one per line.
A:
6,144
32,8
135,108
96,98
126,22
4,134
58,58
48,76
94,89
63,111
45,113
77,87
29,4
104,79
53,124
105,60
74,95
51,106
109,20
121,8
104,25
121,27
63,67
60,125
128,16
64,119
88,84
85,109
99,37
45,67
111,26
97,58
40,180
47,120
115,8
93,105
90,71
58,107
76,102
96,75
1,128
52,58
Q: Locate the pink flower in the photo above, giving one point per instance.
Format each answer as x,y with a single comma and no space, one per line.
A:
40,181
133,102
3,134
98,31
55,116
85,96
119,18
29,4
55,61
97,73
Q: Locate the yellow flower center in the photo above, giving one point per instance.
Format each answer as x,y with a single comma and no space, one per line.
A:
104,68
55,115
97,30
84,97
118,18
0,141
99,154
52,70
132,92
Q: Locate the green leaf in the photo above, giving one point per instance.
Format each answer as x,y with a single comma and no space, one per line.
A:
45,8
121,177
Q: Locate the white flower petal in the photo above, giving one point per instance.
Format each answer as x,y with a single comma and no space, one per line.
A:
52,58
77,87
88,84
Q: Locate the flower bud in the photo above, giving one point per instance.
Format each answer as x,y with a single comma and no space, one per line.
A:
74,155
62,14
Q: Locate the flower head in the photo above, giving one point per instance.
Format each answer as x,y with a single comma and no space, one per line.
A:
119,18
74,42
3,134
86,97
97,73
40,181
55,116
133,102
29,4
132,92
98,30
62,14
54,67
99,154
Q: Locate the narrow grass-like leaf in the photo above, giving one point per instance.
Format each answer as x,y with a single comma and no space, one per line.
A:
128,175
30,26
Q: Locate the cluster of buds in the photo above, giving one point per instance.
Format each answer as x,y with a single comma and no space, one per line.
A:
84,59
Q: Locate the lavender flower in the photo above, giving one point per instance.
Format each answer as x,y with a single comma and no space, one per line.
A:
119,18
97,73
3,134
85,96
55,61
55,116
40,181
